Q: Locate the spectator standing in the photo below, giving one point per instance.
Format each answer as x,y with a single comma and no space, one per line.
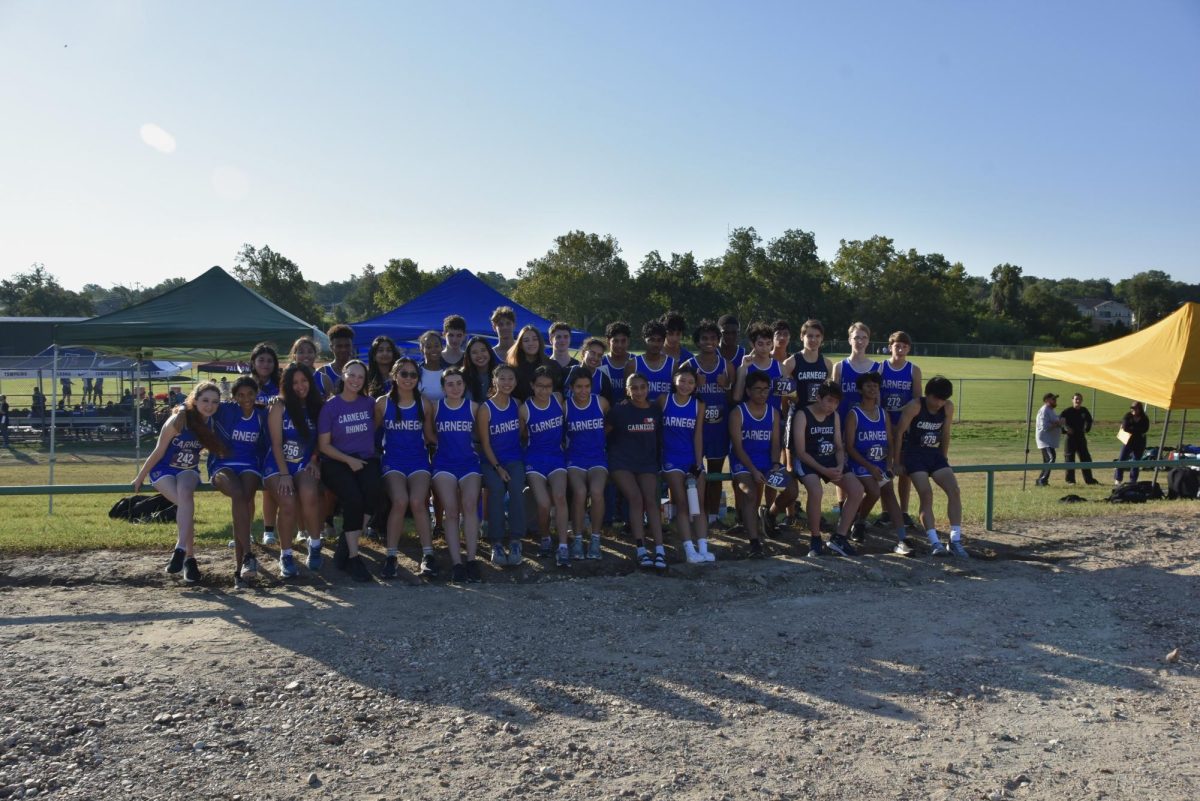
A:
1049,433
98,391
1077,424
1135,425
225,389
4,419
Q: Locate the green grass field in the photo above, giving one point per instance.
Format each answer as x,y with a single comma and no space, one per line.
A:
990,394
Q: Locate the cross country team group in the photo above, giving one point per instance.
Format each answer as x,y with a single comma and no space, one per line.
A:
517,426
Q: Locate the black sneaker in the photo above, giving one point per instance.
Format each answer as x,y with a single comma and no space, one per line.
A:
841,546
756,549
908,521
429,568
357,569
176,563
884,519
816,547
389,568
474,573
858,531
191,571
341,553
458,573
768,523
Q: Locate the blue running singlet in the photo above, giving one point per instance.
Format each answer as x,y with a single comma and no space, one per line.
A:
850,393
679,430
870,441
896,390
585,435
659,380
544,450
756,441
403,432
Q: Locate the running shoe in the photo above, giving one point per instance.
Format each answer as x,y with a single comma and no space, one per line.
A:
858,531
191,571
249,567
693,556
594,551
357,568
908,521
884,519
239,583
474,574
564,556
545,549
176,563
645,560
902,549
389,568
938,549
314,557
499,556
577,547
429,568
515,557
269,538
756,549
660,563
287,566
957,549
708,555
341,552
816,547
841,546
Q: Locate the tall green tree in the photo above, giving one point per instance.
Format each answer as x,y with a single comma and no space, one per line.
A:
1007,286
37,293
675,283
582,280
278,279
1151,295
359,302
119,296
403,279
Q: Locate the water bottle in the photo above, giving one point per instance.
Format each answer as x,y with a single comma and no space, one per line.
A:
693,497
724,506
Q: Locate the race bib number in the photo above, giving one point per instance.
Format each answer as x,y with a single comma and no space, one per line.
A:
712,414
184,460
930,440
812,392
826,448
291,452
894,403
784,386
875,454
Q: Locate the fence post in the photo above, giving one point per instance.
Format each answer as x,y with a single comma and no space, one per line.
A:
989,500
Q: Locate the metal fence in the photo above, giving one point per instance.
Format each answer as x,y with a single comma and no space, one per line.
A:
963,350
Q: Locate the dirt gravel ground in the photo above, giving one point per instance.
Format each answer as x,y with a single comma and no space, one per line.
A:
1061,663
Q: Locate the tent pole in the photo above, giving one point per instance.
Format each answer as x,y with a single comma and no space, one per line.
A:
137,412
1162,442
1182,427
1028,429
53,423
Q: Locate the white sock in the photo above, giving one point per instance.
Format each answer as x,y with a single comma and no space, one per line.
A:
703,545
658,549
426,551
689,546
933,536
179,546
314,542
956,533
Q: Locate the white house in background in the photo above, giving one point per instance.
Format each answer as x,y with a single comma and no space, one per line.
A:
1104,313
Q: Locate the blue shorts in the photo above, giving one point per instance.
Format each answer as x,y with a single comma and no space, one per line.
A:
736,467
162,471
459,470
924,460
863,472
678,462
405,464
716,440
270,469
800,471
237,468
544,464
585,462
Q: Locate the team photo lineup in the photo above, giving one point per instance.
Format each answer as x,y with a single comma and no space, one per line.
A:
520,436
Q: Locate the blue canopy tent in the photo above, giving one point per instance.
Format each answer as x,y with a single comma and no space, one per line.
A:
463,293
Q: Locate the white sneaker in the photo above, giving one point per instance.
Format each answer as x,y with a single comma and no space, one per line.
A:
693,556
708,555
902,549
269,538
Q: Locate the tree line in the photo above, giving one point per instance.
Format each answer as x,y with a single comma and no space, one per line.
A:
585,281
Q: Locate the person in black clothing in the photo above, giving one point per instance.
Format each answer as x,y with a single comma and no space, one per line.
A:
1136,424
634,429
4,418
1077,422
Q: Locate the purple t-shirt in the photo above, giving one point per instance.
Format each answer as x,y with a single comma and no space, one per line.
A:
351,424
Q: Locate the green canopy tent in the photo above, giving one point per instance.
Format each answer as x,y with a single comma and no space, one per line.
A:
212,317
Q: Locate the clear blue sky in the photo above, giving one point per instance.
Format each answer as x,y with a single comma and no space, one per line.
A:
1064,137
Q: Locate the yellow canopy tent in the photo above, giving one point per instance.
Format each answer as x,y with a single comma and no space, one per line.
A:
1159,365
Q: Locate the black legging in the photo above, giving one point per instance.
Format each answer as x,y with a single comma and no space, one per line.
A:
358,491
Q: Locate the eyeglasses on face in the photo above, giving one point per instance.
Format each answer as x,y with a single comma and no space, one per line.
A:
407,374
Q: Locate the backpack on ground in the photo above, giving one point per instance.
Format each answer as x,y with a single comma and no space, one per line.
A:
123,509
1136,492
155,509
1183,482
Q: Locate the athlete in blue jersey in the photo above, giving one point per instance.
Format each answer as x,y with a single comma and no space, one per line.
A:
654,365
753,452
456,471
676,326
716,378
401,416
587,463
729,345
498,422
265,370
924,433
341,342
381,357
868,433
683,457
545,463
237,472
592,356
617,359
291,473
174,469
901,383
760,360
846,371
